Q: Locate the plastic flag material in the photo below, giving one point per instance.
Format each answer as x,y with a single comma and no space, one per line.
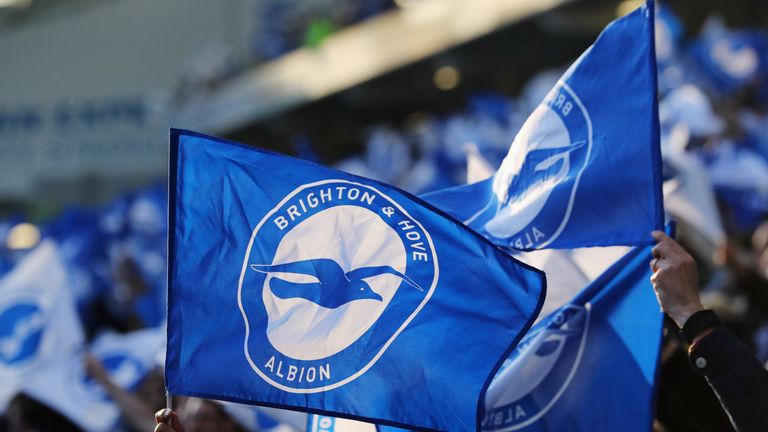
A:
585,169
591,362
297,286
65,386
38,321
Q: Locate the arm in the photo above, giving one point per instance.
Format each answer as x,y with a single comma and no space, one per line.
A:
733,372
133,409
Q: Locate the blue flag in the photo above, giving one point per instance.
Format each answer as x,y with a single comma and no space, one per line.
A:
585,169
591,362
298,286
730,60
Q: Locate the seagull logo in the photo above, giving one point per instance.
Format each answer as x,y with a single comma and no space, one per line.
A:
530,188
538,371
534,188
334,287
541,166
21,328
737,58
333,273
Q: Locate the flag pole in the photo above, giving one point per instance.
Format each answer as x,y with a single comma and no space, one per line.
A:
168,400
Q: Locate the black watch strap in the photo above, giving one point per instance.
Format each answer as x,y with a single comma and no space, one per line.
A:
698,322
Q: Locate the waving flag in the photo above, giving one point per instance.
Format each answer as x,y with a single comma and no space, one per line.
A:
64,385
689,196
584,170
38,322
730,60
297,286
591,362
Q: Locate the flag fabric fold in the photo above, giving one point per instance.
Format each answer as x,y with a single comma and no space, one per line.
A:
601,349
296,286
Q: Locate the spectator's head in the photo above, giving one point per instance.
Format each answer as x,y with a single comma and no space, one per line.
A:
201,415
25,414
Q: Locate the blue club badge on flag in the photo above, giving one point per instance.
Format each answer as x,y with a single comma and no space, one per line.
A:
394,263
554,143
601,349
585,169
297,286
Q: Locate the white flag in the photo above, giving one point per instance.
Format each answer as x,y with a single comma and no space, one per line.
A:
690,197
478,168
38,321
64,385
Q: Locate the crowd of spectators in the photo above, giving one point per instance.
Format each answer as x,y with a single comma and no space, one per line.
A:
713,106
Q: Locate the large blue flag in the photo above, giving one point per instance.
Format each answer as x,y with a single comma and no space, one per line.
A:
585,168
590,365
298,286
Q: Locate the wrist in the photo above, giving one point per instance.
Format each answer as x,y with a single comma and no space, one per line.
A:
681,315
699,325
107,383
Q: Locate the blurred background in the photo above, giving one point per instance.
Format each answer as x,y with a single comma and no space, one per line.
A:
403,91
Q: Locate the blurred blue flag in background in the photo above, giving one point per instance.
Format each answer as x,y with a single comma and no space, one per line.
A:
298,286
591,362
38,321
585,168
65,386
730,60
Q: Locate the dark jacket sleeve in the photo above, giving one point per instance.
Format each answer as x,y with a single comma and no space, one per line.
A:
736,376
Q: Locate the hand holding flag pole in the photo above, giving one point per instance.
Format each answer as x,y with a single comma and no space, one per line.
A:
167,420
674,279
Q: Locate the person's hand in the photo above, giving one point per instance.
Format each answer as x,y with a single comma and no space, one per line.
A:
95,369
168,421
675,279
